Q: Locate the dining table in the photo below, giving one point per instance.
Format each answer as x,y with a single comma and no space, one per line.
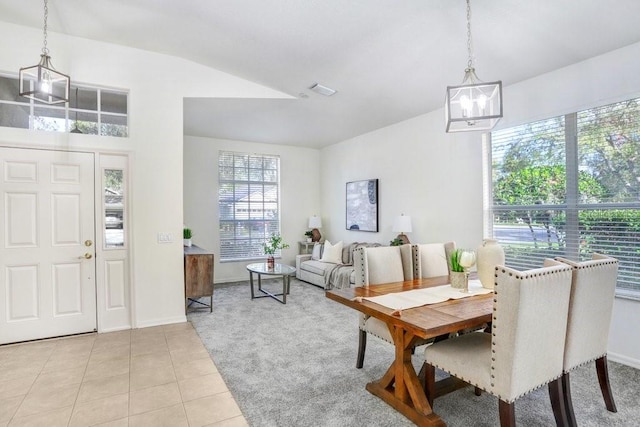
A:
400,386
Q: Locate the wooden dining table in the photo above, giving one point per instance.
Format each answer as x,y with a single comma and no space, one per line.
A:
400,386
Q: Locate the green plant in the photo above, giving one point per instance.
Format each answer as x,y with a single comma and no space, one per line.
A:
455,261
186,233
308,233
273,243
396,242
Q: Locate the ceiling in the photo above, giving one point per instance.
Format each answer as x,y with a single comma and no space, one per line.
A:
389,60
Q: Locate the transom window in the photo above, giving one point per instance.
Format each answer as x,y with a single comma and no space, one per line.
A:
249,203
570,186
91,111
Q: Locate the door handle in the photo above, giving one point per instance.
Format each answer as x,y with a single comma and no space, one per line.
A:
86,256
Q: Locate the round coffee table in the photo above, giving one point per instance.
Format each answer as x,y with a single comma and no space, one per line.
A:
286,271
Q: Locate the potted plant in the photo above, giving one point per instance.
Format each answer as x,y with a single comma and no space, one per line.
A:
271,245
186,236
461,261
309,235
396,242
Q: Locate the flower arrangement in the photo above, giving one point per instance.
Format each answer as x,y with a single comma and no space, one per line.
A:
273,243
308,233
462,259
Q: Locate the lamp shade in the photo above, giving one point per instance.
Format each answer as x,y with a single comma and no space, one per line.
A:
315,222
402,224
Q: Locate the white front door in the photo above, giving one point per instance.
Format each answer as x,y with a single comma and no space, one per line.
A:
47,244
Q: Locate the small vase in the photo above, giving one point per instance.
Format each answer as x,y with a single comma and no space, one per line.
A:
458,280
186,242
271,262
489,255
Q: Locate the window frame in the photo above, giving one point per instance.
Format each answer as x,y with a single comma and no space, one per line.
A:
68,111
241,203
572,206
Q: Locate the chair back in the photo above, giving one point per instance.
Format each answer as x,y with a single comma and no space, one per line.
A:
382,264
432,259
528,328
592,293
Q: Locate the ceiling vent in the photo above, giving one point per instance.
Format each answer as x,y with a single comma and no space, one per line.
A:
322,90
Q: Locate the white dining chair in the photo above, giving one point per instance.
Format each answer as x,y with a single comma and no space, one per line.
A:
525,348
373,266
592,293
432,259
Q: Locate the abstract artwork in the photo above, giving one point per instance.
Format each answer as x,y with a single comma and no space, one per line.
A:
362,205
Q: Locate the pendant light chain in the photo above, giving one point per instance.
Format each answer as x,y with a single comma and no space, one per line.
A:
45,49
469,46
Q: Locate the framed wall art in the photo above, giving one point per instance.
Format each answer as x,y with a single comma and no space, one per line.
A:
362,205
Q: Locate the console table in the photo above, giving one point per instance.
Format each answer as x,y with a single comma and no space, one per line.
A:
198,276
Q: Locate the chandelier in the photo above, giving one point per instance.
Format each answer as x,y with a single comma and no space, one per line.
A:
42,82
474,105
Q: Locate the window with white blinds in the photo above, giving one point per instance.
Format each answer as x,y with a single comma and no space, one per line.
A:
249,203
570,186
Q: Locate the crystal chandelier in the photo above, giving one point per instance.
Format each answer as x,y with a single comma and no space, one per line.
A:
42,82
474,105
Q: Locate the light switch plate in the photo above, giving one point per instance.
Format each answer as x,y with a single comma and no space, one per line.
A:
165,238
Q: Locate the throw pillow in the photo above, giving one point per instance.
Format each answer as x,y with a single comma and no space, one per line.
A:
316,254
332,253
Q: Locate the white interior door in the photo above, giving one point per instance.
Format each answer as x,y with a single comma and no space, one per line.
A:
47,249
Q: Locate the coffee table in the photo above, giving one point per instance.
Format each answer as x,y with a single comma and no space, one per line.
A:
286,271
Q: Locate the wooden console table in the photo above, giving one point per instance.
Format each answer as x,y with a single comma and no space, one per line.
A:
198,276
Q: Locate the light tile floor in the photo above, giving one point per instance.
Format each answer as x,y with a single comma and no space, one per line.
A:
160,376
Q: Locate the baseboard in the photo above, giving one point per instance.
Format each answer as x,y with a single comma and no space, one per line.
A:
625,360
160,322
114,329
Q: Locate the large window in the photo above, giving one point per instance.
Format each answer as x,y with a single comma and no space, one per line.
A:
570,186
249,203
91,111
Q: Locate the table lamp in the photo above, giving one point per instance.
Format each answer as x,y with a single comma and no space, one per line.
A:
402,224
314,223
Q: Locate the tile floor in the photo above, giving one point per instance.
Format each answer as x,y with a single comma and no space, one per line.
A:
160,376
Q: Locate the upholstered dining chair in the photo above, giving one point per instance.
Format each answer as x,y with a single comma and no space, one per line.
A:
373,266
592,293
525,348
432,259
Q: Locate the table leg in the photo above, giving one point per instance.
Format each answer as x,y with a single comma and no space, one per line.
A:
284,288
400,386
251,283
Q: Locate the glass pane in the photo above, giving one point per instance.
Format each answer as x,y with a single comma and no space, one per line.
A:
14,116
87,99
49,119
86,123
528,164
9,89
113,208
613,232
112,102
609,149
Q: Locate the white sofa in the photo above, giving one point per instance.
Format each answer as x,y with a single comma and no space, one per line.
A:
328,275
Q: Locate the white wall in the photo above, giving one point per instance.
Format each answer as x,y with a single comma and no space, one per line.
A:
299,189
423,172
437,178
157,84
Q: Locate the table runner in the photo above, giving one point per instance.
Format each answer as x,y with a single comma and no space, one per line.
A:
419,297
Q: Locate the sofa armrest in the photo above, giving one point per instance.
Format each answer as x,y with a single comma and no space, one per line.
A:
302,258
